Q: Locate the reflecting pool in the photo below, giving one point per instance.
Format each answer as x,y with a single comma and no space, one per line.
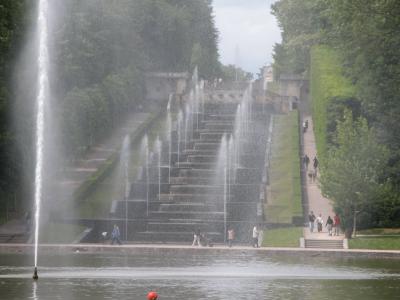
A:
230,275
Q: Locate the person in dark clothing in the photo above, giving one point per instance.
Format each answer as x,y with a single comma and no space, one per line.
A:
315,162
115,235
311,220
306,161
329,224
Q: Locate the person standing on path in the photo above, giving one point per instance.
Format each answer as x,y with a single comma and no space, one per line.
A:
260,237
320,222
336,224
306,161
304,127
255,236
329,224
311,220
315,164
231,236
196,237
115,235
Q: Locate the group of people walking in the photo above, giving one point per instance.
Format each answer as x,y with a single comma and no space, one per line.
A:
312,174
332,225
257,234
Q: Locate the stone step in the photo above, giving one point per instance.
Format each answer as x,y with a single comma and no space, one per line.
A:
212,135
191,180
219,126
188,207
207,140
202,158
207,146
207,215
197,165
220,117
324,244
185,226
196,189
203,198
172,237
188,152
202,173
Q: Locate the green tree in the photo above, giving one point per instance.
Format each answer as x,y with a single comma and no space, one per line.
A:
232,73
303,24
352,171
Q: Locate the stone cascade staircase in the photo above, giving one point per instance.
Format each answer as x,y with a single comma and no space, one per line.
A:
193,197
324,244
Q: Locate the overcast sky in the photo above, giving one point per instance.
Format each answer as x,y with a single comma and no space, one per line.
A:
248,32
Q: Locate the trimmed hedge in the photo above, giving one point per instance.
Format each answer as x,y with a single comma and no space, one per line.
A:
327,83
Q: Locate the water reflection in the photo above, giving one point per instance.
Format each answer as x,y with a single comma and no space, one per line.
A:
34,290
199,277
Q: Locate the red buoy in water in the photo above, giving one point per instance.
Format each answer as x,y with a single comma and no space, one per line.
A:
152,296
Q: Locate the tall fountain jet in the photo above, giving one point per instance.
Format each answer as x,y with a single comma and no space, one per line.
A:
41,101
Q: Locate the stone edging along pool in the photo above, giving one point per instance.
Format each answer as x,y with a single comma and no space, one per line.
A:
172,250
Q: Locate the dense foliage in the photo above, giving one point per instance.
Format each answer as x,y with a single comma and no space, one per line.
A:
11,27
100,51
104,48
331,92
231,73
364,37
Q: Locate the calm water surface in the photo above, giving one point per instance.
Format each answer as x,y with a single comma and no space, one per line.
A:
205,276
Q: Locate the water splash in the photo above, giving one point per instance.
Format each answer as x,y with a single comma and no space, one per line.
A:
169,136
158,150
222,176
180,121
41,100
124,162
144,154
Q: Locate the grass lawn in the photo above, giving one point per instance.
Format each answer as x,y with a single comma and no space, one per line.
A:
376,242
284,201
283,237
392,231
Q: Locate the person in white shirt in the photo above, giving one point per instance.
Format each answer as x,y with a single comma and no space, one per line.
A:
255,236
320,223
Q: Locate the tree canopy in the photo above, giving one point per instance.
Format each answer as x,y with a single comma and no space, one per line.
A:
100,50
365,35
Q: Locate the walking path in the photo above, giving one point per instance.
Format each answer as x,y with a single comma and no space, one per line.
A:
316,202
